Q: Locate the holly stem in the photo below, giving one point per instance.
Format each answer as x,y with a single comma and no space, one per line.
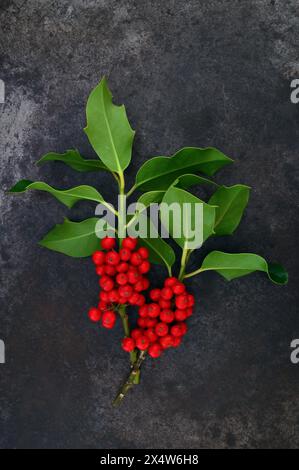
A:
125,321
131,380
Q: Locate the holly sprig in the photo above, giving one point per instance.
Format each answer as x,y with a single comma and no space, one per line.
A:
160,179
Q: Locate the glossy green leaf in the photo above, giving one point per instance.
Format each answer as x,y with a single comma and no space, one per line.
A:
184,223
231,203
68,197
232,266
73,159
160,251
108,129
77,240
189,180
160,172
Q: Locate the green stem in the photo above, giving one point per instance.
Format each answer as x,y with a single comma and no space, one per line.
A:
125,321
129,193
184,260
131,380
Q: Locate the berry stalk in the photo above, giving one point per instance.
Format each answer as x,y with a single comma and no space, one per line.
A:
131,380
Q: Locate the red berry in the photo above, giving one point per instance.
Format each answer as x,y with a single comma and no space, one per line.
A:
142,322
144,253
166,293
104,296
176,341
155,294
143,311
134,276
98,258
94,314
106,283
189,312
134,299
102,306
129,243
128,344
170,281
179,288
108,243
122,267
125,254
151,335
136,333
191,300
176,330
153,310
108,319
110,270
141,300
161,329
167,316
183,327
122,279
113,296
142,343
100,270
151,322
146,283
155,350
166,341
112,258
122,300
180,315
182,301
136,259
164,303
144,267
125,291
139,286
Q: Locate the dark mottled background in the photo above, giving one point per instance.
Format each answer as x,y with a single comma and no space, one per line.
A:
195,73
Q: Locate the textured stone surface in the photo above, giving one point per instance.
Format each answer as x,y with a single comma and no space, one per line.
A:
191,73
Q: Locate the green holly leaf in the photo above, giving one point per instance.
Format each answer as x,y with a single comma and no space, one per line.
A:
68,197
189,180
160,172
232,266
108,129
184,223
231,203
75,239
73,159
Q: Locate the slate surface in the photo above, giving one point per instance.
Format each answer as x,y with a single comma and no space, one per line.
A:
190,73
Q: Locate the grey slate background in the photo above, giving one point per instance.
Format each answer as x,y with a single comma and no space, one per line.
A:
195,73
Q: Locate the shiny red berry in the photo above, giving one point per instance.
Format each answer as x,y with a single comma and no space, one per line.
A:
125,254
151,322
144,253
134,276
104,296
176,330
100,270
136,259
183,327
189,311
153,310
151,335
103,306
170,281
108,243
146,283
139,286
142,322
191,300
129,243
161,329
180,315
110,270
164,303
142,343
113,296
155,294
122,267
176,341
112,258
108,319
125,291
106,283
166,293
98,258
182,301
143,311
144,267
122,279
155,350
167,316
94,315
166,341
136,333
179,288
128,344
134,299
141,300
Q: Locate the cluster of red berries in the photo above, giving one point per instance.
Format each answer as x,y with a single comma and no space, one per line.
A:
161,323
122,278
